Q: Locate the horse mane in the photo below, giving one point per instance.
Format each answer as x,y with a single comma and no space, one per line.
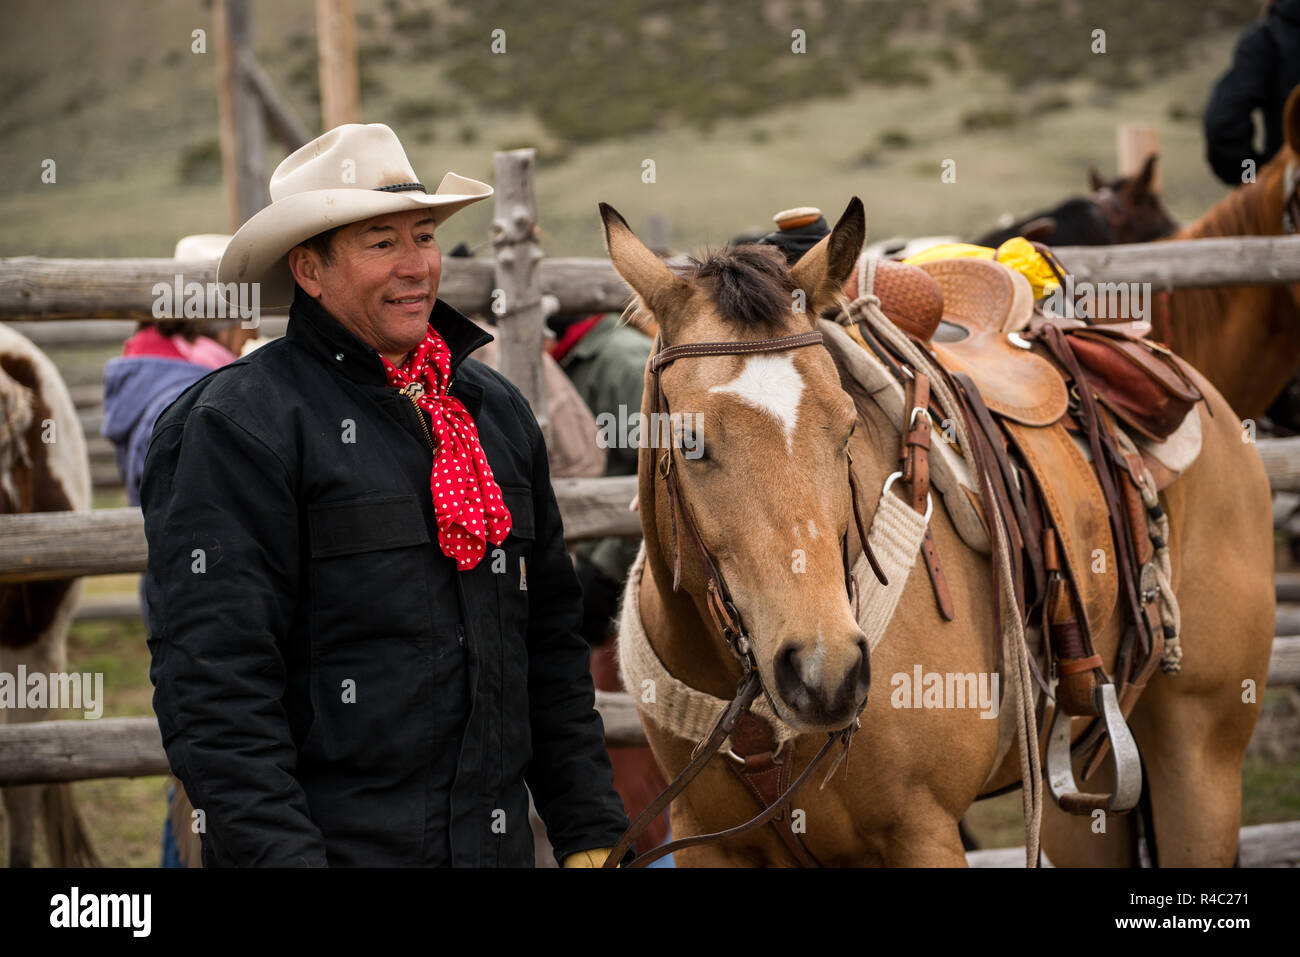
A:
1254,209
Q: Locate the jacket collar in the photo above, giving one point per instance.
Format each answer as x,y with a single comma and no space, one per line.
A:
314,328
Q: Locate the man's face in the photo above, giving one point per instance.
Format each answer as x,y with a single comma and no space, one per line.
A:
380,281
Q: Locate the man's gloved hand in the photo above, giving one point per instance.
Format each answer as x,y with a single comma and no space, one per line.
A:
593,858
600,597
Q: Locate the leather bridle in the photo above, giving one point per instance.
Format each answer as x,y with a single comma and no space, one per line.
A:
726,617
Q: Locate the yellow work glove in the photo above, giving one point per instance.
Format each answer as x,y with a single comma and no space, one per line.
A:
593,858
1016,253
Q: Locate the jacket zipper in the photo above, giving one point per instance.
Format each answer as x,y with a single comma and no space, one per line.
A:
413,391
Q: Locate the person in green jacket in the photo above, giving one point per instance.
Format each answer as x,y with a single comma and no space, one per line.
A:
605,358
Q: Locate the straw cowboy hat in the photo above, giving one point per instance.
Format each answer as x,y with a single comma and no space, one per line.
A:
351,173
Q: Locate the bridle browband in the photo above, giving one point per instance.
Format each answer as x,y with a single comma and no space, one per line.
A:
726,617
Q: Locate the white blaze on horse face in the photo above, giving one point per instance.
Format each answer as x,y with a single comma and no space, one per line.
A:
772,384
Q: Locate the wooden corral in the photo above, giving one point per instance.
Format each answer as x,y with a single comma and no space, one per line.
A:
71,298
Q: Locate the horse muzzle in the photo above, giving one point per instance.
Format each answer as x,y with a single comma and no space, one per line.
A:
821,691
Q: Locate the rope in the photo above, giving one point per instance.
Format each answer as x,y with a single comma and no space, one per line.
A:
866,308
1014,654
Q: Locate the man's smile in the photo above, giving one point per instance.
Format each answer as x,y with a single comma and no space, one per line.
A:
411,304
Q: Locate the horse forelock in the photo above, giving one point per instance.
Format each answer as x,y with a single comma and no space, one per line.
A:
750,285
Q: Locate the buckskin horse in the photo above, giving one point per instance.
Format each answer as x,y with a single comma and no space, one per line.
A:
43,468
762,526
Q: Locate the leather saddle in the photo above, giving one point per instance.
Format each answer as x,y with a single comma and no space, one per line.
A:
1062,486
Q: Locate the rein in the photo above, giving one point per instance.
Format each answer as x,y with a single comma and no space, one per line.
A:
726,617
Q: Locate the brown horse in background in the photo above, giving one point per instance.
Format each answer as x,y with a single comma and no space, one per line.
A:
1246,339
43,468
1123,210
777,432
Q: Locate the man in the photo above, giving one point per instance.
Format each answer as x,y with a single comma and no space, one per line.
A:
362,617
1265,69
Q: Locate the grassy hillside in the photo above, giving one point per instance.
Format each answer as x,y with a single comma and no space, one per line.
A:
736,123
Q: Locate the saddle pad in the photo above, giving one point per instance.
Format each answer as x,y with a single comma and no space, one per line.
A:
983,298
1073,496
1176,453
949,472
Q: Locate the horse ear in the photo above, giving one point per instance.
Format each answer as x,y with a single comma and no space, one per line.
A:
1143,184
641,269
822,270
1094,180
1037,230
1291,120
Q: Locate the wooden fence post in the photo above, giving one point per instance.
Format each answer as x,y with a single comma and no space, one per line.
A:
517,298
242,133
336,36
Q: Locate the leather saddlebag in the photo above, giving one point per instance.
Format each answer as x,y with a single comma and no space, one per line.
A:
1139,381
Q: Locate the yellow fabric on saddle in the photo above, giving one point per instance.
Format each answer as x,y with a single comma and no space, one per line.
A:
1016,253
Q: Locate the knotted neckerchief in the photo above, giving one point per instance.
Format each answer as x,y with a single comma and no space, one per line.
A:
466,498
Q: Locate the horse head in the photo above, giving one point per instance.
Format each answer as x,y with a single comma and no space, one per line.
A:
759,443
1132,205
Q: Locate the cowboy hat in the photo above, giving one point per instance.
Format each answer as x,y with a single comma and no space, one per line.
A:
201,246
351,173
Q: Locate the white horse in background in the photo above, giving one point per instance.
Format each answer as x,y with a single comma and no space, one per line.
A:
43,468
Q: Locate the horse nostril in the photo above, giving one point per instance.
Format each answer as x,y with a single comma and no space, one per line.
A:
864,669
789,680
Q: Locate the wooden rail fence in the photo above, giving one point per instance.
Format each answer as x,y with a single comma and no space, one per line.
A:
89,294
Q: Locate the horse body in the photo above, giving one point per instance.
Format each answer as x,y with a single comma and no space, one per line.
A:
43,468
1246,339
774,488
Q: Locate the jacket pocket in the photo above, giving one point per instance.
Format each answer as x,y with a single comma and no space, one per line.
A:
370,562
512,580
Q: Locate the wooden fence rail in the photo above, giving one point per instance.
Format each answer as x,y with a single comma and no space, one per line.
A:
1261,845
53,751
36,288
48,545
108,541
77,750
77,289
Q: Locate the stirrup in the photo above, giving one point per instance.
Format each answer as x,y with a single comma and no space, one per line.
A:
1128,766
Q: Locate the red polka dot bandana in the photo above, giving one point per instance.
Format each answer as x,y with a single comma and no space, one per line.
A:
466,498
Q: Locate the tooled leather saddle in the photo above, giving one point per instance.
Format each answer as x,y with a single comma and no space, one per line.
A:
1043,400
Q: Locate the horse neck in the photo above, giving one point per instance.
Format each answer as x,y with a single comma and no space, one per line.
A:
1244,338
